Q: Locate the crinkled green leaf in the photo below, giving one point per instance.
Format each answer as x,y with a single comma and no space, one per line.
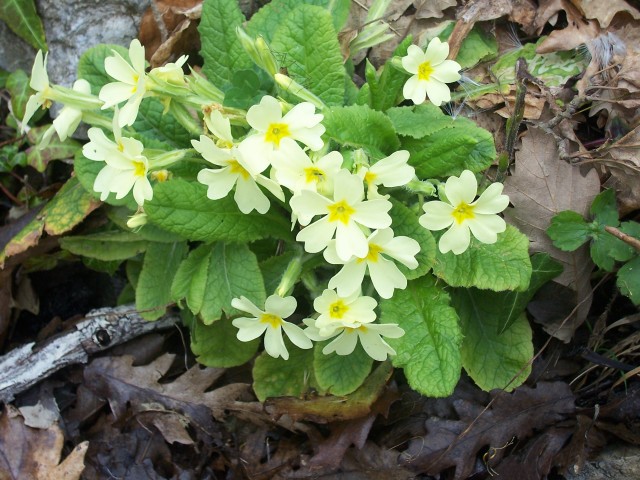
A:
604,208
341,374
212,275
267,20
420,120
504,265
629,280
221,50
492,360
568,230
21,17
277,377
248,88
216,345
18,86
385,86
183,207
358,126
161,260
313,59
152,123
449,151
91,65
478,45
405,223
429,351
105,245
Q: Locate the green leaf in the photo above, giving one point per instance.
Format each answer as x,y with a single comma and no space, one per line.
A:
21,17
504,265
341,374
105,245
420,120
358,126
405,222
477,46
629,280
212,275
120,215
449,151
385,87
606,249
273,269
217,345
91,65
161,260
55,150
221,50
267,20
568,230
429,351
152,123
604,208
248,88
277,377
509,305
182,207
313,57
18,86
492,359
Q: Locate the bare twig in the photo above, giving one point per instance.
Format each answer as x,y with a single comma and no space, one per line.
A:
25,366
628,239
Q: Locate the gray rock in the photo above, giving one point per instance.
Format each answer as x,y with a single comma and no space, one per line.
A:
71,27
615,462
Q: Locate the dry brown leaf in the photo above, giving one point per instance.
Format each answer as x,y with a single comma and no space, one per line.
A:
35,453
116,379
432,8
578,31
455,443
172,427
604,11
541,186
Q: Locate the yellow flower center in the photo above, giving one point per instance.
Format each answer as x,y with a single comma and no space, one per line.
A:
372,255
235,167
276,132
425,69
370,177
220,143
274,321
340,211
338,309
120,146
313,174
135,83
463,212
161,175
139,169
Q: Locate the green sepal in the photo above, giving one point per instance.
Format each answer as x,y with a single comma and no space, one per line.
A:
504,265
341,374
216,345
277,377
183,208
212,275
161,260
429,350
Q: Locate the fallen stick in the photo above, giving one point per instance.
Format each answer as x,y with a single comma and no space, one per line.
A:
101,329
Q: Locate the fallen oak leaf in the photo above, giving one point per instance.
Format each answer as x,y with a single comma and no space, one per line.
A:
35,453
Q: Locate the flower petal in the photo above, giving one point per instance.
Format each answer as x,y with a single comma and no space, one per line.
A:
373,213
437,51
386,277
248,196
456,239
343,345
350,241
393,171
220,182
349,279
266,112
274,343
491,200
248,328
415,90
486,227
374,345
296,335
317,235
142,190
403,249
114,93
461,189
447,72
282,307
413,59
438,215
437,91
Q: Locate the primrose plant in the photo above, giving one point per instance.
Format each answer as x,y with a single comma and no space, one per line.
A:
278,204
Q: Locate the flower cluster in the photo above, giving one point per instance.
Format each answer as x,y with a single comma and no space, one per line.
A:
277,152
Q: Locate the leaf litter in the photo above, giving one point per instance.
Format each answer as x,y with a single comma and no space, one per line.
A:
164,417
